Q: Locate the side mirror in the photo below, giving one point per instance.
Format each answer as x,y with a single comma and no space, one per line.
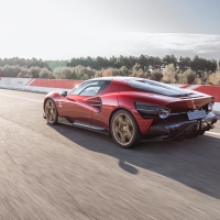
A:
64,93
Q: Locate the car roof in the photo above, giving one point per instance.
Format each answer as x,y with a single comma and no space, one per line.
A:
149,85
115,78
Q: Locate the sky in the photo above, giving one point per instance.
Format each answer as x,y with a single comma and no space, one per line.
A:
63,29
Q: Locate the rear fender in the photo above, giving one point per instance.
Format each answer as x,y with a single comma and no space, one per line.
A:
128,104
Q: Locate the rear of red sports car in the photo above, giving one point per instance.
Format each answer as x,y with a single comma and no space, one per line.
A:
132,109
166,112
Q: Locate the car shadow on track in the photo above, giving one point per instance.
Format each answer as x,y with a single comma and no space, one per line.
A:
194,162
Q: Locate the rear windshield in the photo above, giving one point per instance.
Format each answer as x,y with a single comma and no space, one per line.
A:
156,87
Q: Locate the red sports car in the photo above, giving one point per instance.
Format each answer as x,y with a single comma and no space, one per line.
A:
131,109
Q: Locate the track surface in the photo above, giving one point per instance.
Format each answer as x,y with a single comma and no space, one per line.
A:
62,172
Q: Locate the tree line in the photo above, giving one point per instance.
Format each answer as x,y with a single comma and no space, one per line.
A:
147,63
21,62
169,69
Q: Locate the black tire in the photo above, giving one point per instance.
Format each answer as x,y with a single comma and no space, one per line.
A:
50,111
124,129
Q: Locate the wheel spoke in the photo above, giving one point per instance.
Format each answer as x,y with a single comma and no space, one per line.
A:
120,119
127,121
121,136
48,104
52,111
46,107
128,135
50,117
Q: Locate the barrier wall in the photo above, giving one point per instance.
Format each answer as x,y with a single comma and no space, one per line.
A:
13,83
48,85
211,90
38,85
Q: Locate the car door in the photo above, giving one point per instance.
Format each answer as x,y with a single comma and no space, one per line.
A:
79,106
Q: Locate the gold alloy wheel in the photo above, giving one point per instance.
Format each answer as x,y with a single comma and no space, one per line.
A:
123,129
50,111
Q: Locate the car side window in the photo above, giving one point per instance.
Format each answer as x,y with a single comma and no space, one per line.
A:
82,86
90,91
90,88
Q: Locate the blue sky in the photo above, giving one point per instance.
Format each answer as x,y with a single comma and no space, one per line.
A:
203,14
62,29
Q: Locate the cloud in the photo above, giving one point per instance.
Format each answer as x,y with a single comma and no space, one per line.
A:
80,43
207,46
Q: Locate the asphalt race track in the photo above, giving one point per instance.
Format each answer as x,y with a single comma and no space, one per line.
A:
62,172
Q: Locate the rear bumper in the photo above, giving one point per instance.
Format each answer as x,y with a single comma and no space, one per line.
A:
179,126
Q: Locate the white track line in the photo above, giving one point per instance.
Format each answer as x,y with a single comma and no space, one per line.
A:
209,132
34,100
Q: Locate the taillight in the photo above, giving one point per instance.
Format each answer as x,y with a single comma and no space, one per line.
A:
148,110
210,105
164,113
